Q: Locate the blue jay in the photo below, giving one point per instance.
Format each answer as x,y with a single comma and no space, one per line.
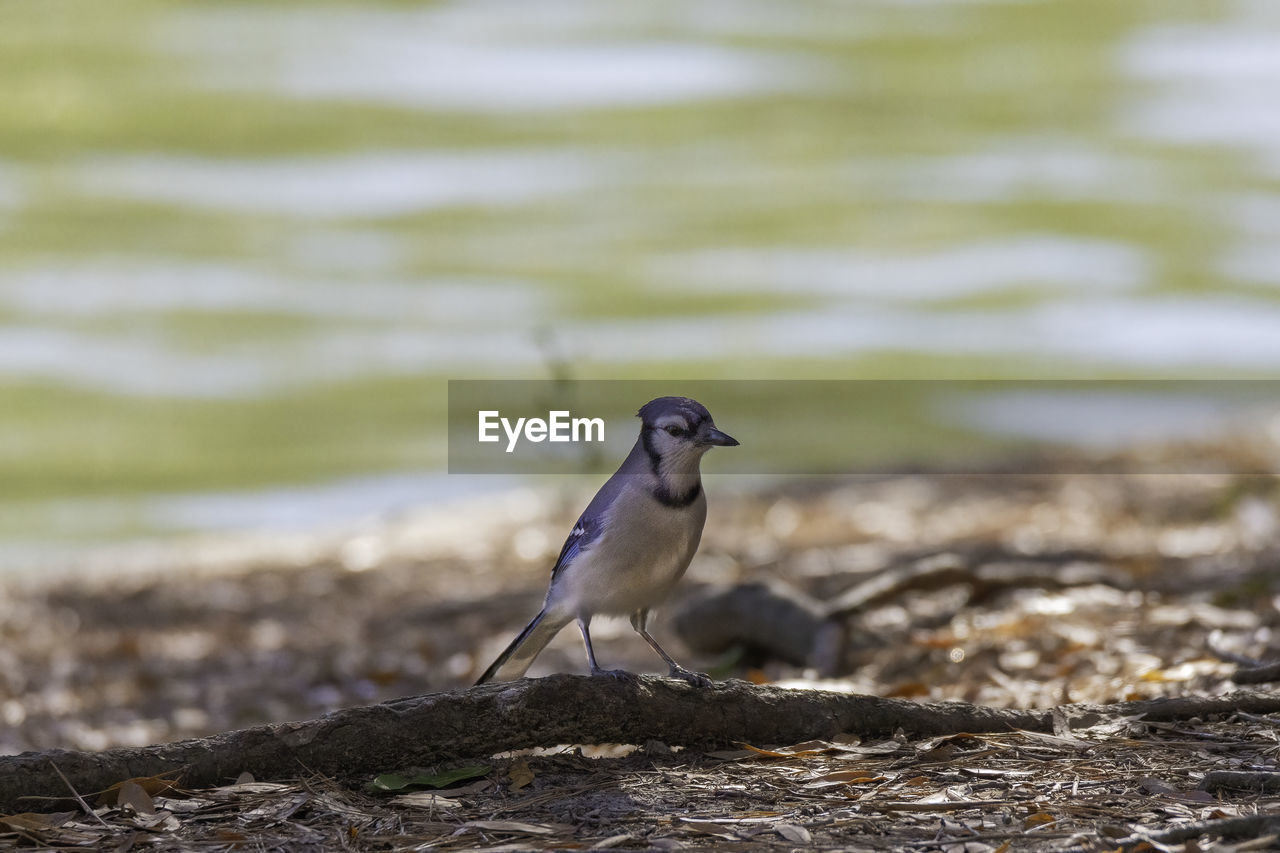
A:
633,542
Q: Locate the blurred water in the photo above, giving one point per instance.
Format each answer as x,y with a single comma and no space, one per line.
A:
387,183
965,270
498,57
225,225
1214,81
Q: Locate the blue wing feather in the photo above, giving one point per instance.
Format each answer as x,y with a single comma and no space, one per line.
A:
584,532
591,524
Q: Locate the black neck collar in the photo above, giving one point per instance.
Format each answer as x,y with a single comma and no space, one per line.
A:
663,493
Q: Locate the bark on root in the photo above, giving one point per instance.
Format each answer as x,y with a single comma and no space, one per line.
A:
560,709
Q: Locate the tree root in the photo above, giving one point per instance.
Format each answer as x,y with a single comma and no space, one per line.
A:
560,709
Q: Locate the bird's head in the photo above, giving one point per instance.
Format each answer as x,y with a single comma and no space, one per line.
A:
678,429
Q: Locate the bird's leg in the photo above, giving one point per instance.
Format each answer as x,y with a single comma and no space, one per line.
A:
583,623
697,679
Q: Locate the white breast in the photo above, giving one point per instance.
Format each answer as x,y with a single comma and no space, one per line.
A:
635,563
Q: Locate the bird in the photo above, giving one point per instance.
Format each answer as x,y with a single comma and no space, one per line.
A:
632,543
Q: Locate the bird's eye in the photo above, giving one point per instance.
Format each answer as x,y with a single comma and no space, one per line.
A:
674,430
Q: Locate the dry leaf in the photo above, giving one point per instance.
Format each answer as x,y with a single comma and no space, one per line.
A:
425,800
1057,740
799,750
884,747
994,773
942,752
161,821
133,795
707,827
612,841
962,739
162,783
520,774
793,833
1155,786
252,788
844,777
33,822
1038,819
509,826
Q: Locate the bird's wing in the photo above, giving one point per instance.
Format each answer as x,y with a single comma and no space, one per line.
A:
591,524
585,531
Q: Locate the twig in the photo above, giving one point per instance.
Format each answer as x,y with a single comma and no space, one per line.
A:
1231,827
954,806
984,837
1230,656
1258,674
76,794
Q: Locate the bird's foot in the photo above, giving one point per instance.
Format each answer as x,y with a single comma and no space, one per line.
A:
615,674
697,679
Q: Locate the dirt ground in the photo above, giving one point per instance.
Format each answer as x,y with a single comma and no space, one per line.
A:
1117,587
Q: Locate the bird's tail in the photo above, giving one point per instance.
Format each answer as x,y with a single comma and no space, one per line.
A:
516,658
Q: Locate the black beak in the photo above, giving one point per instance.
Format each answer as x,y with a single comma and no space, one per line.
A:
717,438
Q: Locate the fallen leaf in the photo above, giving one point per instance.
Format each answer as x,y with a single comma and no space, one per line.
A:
793,833
160,821
844,777
612,841
708,827
994,773
962,739
476,787
1057,740
884,747
1038,819
942,752
163,783
253,788
34,822
519,774
810,747
425,800
1154,786
509,826
133,795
